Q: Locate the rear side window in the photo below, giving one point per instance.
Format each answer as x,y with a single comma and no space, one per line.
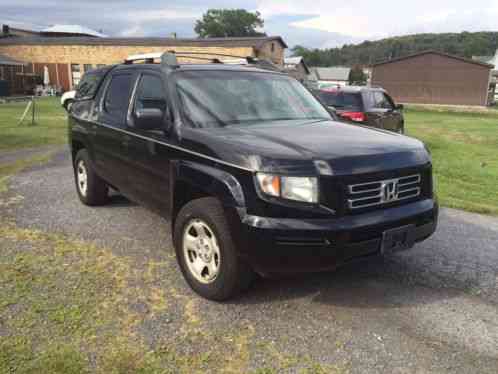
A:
117,97
341,100
378,100
88,86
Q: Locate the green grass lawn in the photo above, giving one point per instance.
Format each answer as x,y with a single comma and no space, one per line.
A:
50,125
50,129
464,148
70,307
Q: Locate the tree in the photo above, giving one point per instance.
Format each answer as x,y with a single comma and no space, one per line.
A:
357,77
466,44
228,22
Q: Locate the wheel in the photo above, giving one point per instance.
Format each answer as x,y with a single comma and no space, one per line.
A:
206,252
92,190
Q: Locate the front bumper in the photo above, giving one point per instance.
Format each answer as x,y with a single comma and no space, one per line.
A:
274,245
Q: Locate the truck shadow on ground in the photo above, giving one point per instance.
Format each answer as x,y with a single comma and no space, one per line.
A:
116,200
359,285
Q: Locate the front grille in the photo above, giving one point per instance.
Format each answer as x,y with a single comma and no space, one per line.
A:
382,192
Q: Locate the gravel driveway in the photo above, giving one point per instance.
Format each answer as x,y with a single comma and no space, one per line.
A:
432,309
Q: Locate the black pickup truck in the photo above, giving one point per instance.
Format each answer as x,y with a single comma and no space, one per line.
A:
253,172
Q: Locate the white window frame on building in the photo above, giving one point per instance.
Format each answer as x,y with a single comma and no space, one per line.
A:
75,74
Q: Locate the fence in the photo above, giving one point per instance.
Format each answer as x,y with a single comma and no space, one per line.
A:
30,107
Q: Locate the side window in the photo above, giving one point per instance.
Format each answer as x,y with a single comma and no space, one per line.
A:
369,99
117,97
388,102
150,93
381,101
88,85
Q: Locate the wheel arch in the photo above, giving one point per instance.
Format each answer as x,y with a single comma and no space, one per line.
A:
191,180
76,146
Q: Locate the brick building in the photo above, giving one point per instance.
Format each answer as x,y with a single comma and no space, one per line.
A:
67,58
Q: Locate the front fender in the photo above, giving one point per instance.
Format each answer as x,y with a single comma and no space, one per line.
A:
212,181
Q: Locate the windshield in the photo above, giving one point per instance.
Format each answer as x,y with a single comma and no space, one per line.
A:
222,98
341,100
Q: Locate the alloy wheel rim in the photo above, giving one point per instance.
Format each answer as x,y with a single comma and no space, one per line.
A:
201,251
82,177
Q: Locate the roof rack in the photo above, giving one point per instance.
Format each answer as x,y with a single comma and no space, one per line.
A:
169,59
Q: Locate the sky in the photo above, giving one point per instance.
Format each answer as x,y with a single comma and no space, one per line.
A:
315,24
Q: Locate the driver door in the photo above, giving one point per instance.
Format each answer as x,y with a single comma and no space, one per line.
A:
147,153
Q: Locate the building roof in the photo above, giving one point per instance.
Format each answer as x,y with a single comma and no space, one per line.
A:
467,60
290,63
296,60
485,59
337,73
72,29
492,60
4,60
255,42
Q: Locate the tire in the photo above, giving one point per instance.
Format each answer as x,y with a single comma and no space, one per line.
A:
92,190
231,275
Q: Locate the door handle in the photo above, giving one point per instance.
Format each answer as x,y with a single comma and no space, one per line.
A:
126,141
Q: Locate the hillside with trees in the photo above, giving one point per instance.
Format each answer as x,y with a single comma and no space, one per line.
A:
465,44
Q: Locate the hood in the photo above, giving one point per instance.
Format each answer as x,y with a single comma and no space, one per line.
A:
296,147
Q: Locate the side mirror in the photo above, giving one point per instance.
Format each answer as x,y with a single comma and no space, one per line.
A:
399,107
149,119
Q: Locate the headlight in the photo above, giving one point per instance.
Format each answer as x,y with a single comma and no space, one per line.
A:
303,189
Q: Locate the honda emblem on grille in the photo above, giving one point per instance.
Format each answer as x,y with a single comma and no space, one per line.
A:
389,191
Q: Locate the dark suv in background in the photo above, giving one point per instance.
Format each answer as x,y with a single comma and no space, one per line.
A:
366,105
253,172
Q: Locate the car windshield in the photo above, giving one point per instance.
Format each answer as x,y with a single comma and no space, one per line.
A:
225,98
341,100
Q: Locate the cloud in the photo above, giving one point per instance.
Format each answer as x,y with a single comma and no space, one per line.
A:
372,20
321,23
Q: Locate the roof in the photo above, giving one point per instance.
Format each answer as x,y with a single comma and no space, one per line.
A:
72,29
256,42
21,25
291,62
355,89
197,67
296,60
4,60
485,59
492,60
338,73
463,59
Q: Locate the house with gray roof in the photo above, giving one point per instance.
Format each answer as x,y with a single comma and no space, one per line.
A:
296,67
337,75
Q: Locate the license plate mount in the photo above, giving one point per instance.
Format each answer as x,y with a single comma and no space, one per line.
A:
398,239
